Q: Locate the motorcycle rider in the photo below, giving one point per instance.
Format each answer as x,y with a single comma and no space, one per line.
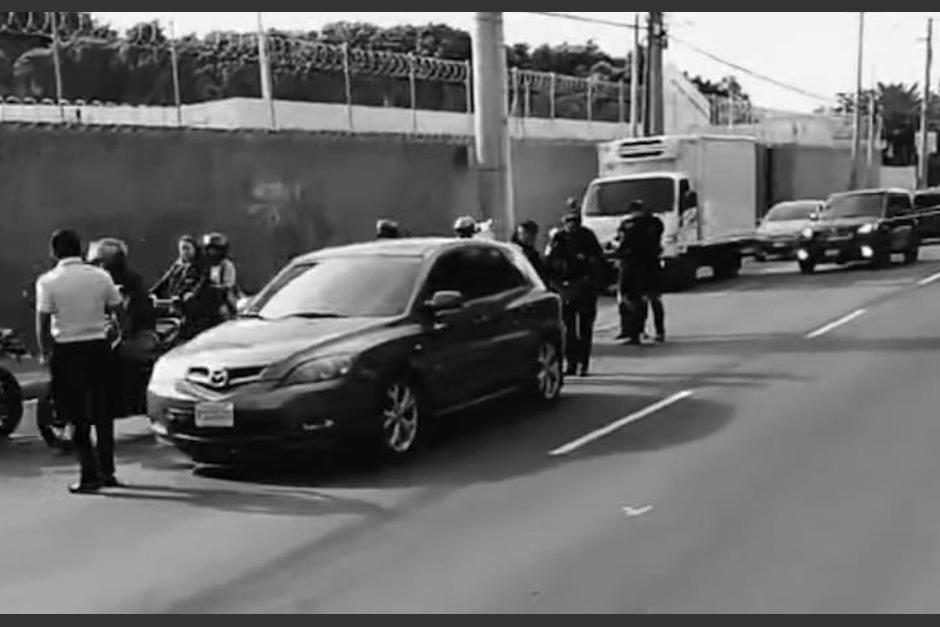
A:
640,286
222,276
185,285
135,339
576,262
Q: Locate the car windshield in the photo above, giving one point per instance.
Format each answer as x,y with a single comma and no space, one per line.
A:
611,199
856,206
341,287
792,212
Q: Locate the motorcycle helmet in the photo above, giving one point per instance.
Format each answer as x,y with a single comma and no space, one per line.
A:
387,229
465,228
108,253
215,241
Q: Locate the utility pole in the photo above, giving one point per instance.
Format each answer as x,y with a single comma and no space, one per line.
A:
872,129
924,163
491,122
857,125
635,79
57,64
655,114
267,83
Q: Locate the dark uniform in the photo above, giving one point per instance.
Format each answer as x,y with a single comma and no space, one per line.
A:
523,238
641,275
576,262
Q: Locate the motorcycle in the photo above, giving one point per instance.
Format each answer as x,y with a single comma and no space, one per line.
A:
11,394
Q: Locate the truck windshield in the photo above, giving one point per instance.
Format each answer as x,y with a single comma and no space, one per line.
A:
613,198
856,206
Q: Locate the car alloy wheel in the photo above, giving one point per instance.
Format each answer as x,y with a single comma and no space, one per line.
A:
401,416
550,376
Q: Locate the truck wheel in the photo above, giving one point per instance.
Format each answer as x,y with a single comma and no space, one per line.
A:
808,266
681,275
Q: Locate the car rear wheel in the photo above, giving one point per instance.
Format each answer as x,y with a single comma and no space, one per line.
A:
401,419
11,404
549,377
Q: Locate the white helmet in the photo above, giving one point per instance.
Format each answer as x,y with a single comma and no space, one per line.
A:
465,227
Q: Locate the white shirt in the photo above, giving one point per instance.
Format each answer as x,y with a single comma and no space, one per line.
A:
77,297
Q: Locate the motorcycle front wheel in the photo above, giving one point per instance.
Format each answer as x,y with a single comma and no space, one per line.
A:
11,404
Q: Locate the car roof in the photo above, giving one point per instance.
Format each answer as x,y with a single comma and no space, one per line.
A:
791,203
872,192
421,248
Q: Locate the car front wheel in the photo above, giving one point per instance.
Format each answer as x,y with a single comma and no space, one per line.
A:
401,419
808,266
549,373
11,404
912,256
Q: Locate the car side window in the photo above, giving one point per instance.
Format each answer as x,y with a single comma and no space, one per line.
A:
479,272
899,206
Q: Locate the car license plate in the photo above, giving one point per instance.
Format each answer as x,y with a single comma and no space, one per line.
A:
780,246
215,416
832,254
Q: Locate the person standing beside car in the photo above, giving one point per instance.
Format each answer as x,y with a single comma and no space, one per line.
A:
575,259
74,302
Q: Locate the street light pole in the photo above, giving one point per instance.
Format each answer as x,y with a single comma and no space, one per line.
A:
857,126
635,79
491,122
924,163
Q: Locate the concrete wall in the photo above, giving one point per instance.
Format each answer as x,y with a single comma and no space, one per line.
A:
276,195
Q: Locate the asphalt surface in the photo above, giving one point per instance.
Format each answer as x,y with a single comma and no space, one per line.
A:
778,455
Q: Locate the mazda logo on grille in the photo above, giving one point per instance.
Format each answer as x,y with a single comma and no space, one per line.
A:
218,378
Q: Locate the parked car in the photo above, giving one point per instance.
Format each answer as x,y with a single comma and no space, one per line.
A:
927,210
365,343
779,232
867,226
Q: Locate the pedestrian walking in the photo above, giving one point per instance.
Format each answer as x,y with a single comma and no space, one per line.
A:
576,262
74,302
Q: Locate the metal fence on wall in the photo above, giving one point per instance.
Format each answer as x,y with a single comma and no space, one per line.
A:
48,60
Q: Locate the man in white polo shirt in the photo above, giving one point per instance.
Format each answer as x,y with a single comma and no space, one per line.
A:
73,305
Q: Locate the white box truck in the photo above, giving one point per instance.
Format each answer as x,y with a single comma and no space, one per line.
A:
703,188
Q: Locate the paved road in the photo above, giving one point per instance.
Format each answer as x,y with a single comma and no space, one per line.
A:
791,467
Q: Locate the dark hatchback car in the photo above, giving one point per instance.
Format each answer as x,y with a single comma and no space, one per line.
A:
927,210
365,343
865,226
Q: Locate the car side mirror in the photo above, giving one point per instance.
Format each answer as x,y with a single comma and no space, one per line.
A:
690,202
445,302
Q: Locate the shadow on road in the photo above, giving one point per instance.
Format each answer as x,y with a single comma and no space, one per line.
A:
487,446
281,502
826,277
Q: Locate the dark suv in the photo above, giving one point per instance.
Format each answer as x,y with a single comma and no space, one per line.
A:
862,226
927,209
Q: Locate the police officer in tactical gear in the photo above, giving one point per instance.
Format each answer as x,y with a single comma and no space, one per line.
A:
575,260
641,274
465,228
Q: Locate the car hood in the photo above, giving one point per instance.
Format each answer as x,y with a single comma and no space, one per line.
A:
257,343
790,227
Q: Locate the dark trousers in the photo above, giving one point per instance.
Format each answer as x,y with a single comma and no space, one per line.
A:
80,393
580,318
634,314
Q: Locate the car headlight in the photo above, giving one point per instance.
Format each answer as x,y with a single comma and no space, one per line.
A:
321,370
808,234
867,229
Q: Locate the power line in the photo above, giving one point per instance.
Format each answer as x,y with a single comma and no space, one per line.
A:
695,48
581,18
